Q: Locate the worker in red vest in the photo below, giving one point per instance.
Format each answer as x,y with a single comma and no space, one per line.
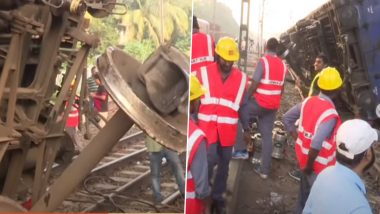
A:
72,123
221,107
318,122
197,186
265,94
202,49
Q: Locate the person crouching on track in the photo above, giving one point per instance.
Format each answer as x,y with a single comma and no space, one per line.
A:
221,106
318,122
197,186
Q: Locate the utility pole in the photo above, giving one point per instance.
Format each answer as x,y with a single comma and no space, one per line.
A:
162,21
244,34
261,21
213,19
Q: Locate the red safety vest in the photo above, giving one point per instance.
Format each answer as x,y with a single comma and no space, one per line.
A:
218,113
314,111
196,136
202,50
73,118
268,93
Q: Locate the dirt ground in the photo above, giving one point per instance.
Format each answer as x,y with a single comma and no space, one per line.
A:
278,194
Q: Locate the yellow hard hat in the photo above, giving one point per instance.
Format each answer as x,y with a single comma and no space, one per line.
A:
329,79
196,89
227,49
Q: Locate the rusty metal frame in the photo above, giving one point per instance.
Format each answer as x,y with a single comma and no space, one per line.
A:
119,84
118,125
34,125
51,28
15,168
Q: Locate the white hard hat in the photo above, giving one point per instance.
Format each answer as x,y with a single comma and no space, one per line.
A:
357,136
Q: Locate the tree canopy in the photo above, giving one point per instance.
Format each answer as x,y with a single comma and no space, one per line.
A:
138,31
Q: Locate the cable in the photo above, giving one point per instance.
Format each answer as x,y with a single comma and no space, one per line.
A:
110,197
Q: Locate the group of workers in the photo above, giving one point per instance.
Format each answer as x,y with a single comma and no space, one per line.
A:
98,101
330,155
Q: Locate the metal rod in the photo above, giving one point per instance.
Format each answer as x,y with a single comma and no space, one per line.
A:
131,183
162,21
118,160
171,197
8,63
38,171
119,124
131,136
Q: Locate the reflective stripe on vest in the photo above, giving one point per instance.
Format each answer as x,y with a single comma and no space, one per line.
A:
268,92
205,82
202,59
319,159
300,127
191,141
207,100
195,137
189,175
221,101
209,57
218,112
266,79
319,110
189,194
323,116
216,118
73,114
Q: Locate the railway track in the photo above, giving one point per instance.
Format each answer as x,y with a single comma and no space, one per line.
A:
121,183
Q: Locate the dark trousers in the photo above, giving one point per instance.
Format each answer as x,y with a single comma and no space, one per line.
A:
221,156
240,144
305,187
155,168
265,121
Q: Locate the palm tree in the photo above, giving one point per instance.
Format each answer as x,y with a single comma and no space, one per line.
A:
143,20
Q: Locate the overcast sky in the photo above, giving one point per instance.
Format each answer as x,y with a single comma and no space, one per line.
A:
279,14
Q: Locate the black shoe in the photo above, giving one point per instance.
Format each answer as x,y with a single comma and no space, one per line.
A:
218,207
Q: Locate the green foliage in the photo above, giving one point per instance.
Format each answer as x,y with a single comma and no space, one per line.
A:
140,50
143,20
138,31
184,44
106,30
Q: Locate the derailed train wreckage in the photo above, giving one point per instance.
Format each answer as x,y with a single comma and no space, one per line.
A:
347,32
36,38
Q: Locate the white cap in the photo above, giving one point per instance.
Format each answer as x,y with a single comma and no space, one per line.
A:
357,135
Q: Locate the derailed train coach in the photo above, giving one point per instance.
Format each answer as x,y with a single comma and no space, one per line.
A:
36,39
348,33
44,46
